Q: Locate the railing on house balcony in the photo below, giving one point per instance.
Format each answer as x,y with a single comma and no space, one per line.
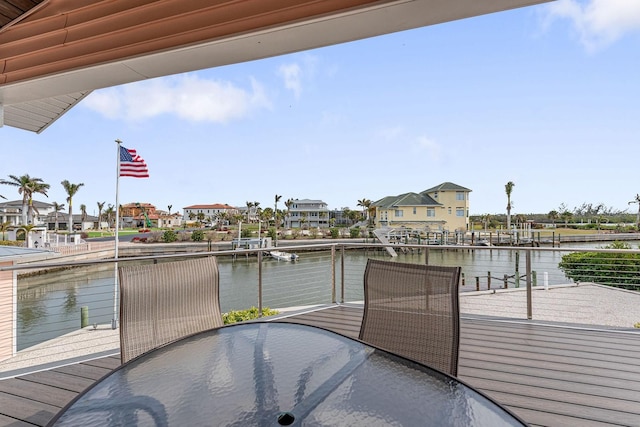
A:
79,299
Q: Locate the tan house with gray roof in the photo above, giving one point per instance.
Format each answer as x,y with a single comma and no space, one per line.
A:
444,207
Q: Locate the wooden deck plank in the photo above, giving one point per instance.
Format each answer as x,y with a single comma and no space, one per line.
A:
84,370
568,339
565,363
110,362
595,349
551,407
60,380
50,395
544,419
28,410
578,377
13,422
549,376
575,398
596,388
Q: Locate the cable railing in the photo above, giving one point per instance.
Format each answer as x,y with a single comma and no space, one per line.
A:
50,300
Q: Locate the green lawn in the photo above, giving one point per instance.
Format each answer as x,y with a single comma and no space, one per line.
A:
104,233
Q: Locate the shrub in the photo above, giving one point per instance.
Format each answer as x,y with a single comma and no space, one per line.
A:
334,233
613,269
245,233
241,315
354,232
272,233
197,235
636,325
169,236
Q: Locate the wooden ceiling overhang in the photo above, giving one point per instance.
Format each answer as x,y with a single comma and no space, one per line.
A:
55,52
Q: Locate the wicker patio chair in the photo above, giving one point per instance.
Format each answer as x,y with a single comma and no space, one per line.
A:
162,302
412,310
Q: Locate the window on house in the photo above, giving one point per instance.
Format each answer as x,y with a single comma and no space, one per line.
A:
398,213
459,195
414,210
460,212
431,212
449,209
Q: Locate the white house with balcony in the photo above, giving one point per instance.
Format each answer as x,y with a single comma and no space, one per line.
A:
209,212
11,212
307,213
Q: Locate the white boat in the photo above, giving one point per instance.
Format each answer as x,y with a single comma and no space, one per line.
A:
283,256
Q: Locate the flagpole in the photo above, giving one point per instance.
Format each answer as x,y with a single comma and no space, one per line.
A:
114,320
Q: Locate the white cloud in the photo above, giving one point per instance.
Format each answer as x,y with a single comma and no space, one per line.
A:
187,96
598,23
432,148
292,75
295,75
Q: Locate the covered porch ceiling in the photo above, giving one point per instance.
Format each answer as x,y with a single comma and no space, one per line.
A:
53,53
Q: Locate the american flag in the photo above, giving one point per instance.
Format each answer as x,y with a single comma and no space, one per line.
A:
131,164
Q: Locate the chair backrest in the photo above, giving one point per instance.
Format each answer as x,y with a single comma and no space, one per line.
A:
162,302
413,310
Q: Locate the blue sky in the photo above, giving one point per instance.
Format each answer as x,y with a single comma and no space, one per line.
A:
547,97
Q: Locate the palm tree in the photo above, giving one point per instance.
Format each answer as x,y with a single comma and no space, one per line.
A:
100,207
275,218
249,206
27,233
57,207
223,217
24,183
83,218
121,215
486,218
288,205
36,187
508,188
322,215
637,200
109,213
365,204
257,210
4,226
346,214
71,190
566,216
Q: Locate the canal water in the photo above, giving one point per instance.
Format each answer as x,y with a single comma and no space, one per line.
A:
49,305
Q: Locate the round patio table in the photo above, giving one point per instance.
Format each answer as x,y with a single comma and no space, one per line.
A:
275,373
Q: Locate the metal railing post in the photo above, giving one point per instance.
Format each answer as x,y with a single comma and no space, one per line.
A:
529,288
259,283
342,275
333,274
